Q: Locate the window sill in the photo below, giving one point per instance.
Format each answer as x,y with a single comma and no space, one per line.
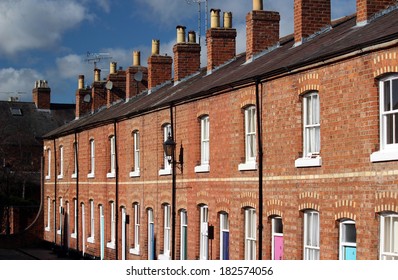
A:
47,229
247,166
59,232
74,176
90,240
48,177
110,245
90,175
308,162
164,257
73,235
163,172
135,173
202,168
60,176
110,175
384,155
135,251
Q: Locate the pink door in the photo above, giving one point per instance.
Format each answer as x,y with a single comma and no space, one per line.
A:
278,247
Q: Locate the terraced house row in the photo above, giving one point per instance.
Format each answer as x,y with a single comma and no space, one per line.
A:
286,151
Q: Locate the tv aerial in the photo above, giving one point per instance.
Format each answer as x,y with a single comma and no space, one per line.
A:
199,2
96,57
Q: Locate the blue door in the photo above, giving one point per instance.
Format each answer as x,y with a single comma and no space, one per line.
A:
225,249
151,242
350,253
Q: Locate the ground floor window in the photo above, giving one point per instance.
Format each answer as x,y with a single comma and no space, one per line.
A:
389,236
224,236
311,235
250,234
348,240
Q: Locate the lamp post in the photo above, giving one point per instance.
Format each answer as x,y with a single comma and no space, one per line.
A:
169,149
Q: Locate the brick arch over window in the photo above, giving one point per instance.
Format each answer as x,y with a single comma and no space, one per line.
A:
248,199
345,209
308,82
274,208
223,205
385,63
202,197
386,201
309,200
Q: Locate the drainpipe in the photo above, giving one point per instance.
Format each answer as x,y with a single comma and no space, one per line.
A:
173,191
55,192
77,193
117,193
260,170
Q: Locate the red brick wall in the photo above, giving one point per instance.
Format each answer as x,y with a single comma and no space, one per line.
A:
367,8
186,60
221,46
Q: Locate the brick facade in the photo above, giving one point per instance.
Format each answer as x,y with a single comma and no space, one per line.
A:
347,185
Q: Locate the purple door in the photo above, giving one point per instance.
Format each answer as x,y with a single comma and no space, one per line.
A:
278,247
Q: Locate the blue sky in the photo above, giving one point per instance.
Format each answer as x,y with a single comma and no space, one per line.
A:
49,39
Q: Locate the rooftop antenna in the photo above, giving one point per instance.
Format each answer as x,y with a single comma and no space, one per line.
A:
96,57
199,2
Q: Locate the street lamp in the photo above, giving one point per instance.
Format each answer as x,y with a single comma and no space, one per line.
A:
169,147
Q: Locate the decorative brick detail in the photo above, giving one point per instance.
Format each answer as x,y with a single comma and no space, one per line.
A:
367,8
386,201
275,208
309,200
221,46
310,16
308,82
345,209
385,63
262,31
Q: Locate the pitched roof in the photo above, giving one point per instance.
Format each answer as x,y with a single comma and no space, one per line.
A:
342,38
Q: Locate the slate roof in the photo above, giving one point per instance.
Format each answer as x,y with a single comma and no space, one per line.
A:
342,38
22,121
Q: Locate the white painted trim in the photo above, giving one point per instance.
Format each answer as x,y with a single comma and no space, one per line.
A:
111,175
384,155
163,172
251,165
135,173
308,162
202,168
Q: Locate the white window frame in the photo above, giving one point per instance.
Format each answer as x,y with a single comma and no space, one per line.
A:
91,173
311,244
342,238
60,210
204,145
250,140
74,233
61,162
166,232
112,219
150,224
136,249
224,227
183,235
387,151
136,154
388,236
167,166
250,234
311,129
91,238
204,232
74,174
112,159
48,224
48,176
274,233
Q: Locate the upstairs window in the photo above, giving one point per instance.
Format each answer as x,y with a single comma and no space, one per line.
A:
388,108
204,145
311,131
92,159
75,147
166,165
112,157
48,175
135,171
250,139
61,162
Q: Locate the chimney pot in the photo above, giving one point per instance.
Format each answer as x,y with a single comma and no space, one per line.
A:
155,47
81,82
181,34
227,20
257,5
97,75
113,66
136,58
191,37
215,18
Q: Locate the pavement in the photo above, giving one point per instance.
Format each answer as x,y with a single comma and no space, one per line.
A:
31,253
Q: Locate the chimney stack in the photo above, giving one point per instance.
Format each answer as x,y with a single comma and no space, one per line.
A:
133,83
262,29
83,98
186,55
41,95
310,16
367,8
221,42
159,67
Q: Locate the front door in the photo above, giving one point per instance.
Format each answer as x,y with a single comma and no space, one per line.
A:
278,247
350,253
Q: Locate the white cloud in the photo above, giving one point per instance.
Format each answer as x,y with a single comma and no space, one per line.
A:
18,83
34,24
